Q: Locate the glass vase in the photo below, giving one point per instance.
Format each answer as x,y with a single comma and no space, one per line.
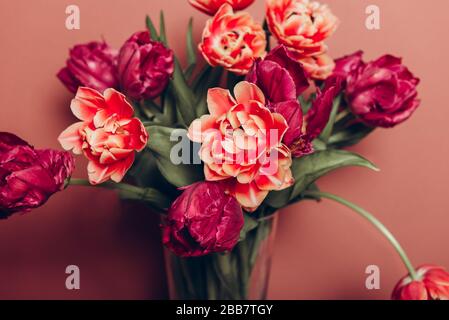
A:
241,274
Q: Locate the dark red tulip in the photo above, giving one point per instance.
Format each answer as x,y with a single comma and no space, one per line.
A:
92,65
145,66
382,93
347,65
28,177
202,220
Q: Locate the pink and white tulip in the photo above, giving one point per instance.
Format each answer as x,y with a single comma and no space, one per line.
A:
108,134
242,143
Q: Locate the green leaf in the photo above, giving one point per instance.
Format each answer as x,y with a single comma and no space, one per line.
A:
250,224
184,96
306,170
312,188
143,168
191,51
350,135
152,29
163,36
161,145
279,199
209,80
150,196
165,116
330,124
309,168
197,83
319,145
169,109
151,110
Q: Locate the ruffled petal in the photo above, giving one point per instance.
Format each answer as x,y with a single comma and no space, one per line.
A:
219,101
86,104
246,91
249,195
72,138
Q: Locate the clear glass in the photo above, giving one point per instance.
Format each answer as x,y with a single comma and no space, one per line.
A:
242,273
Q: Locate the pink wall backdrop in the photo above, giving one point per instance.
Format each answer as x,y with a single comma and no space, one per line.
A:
322,250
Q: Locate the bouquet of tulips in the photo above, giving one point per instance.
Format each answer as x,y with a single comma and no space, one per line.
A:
218,147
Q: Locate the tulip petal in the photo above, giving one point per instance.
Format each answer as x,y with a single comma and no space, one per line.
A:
283,57
292,113
414,291
219,101
72,139
86,103
318,115
201,127
249,195
246,92
122,167
117,103
276,82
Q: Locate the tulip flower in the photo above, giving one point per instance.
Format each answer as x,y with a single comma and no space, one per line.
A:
241,141
28,177
301,25
108,134
232,40
382,93
202,220
92,65
431,283
144,67
211,7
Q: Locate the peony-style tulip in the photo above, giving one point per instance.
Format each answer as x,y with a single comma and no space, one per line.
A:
92,65
241,142
232,40
202,220
144,66
28,177
433,284
301,25
382,93
108,134
211,7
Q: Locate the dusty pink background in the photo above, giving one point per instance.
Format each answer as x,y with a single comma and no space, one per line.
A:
321,250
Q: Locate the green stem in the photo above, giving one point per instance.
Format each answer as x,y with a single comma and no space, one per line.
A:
375,222
327,132
342,115
108,185
127,191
